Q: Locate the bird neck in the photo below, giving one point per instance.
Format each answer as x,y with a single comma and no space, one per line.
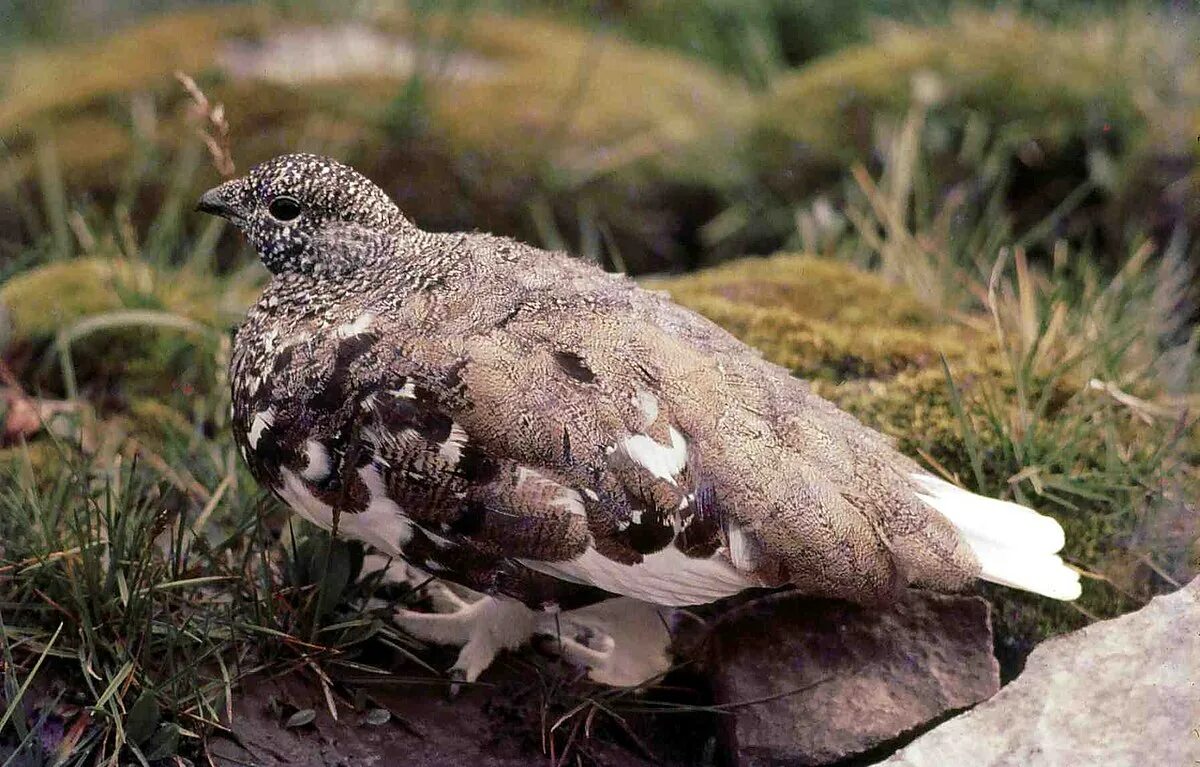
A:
352,259
337,250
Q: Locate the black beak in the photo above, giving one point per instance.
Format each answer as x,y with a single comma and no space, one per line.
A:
216,202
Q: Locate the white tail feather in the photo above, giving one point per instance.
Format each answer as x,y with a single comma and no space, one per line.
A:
1015,546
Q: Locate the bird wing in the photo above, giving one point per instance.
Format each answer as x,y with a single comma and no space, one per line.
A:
493,460
528,461
701,470
712,470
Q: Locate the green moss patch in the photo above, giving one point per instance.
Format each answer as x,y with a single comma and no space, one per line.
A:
132,329
1054,81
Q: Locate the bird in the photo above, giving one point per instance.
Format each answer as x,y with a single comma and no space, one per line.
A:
562,450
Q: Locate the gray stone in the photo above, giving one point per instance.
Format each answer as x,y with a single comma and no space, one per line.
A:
1120,692
835,679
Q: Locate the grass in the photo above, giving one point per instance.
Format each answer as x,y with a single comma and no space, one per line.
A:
144,577
106,558
154,597
1092,414
758,41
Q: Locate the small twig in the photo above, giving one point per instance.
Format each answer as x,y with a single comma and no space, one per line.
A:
54,556
326,688
210,123
937,466
1148,562
1147,411
181,481
1091,616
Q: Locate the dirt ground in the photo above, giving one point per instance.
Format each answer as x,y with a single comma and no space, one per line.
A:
506,720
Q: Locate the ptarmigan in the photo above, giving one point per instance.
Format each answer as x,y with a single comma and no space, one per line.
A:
527,426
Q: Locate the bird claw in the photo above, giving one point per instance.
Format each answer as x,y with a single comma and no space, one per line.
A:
458,677
621,642
579,644
482,627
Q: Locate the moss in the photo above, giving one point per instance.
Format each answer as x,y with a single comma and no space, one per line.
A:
39,304
1055,82
157,424
818,318
589,104
58,81
867,345
825,321
1042,109
523,106
39,461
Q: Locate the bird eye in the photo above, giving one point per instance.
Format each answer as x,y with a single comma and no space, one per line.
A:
284,209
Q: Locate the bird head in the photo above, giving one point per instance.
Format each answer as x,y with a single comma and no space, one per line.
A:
304,212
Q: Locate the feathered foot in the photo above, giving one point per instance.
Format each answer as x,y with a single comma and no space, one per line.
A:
481,625
621,642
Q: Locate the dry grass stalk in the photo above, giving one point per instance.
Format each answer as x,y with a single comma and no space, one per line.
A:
211,125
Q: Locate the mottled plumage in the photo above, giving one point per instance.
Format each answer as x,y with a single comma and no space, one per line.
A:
523,424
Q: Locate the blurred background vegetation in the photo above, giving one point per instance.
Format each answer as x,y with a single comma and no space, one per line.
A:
983,217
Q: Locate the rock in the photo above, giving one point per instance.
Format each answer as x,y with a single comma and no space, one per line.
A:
861,676
1119,692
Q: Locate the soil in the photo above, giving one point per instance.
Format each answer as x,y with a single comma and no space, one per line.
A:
505,720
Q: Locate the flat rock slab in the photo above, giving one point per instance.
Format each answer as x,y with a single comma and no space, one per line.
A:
1121,692
836,680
